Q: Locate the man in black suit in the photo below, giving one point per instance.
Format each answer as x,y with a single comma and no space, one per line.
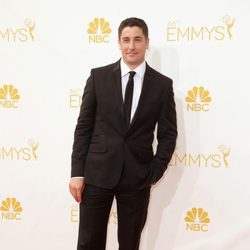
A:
112,151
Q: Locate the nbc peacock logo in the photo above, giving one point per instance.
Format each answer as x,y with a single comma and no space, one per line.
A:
9,96
99,30
197,220
11,209
198,99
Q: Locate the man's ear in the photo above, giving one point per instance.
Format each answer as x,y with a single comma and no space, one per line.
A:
119,43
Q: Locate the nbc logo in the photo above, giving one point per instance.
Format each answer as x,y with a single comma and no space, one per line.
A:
198,99
99,31
11,209
197,220
9,96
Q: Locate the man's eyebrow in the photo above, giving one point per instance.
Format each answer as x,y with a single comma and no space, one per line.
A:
127,37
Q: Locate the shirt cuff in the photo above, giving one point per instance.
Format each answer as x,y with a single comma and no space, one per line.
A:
77,177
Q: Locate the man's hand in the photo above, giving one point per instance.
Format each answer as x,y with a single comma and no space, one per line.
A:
76,187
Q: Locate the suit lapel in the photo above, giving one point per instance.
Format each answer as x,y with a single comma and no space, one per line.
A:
118,90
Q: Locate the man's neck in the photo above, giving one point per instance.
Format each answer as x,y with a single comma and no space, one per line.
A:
133,66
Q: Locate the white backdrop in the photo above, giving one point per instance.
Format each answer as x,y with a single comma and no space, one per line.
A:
46,54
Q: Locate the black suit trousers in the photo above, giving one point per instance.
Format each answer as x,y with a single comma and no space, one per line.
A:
132,206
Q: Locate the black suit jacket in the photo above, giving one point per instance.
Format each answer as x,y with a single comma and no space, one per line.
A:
103,146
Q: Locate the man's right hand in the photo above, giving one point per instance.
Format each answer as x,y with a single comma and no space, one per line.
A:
76,187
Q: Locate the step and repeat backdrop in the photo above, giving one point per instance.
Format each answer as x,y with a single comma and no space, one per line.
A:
47,49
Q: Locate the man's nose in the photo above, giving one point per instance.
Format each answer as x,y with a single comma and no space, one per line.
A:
131,45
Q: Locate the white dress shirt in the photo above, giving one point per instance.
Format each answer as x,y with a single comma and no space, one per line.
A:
138,80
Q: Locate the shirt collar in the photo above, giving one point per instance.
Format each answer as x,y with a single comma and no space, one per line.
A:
140,70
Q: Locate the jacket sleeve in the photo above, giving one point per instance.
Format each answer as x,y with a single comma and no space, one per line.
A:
84,128
166,136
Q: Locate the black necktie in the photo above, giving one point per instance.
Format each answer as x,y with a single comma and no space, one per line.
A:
129,97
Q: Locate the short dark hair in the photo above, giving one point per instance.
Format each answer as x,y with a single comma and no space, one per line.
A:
131,22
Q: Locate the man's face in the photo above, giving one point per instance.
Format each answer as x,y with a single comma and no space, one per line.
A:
133,45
